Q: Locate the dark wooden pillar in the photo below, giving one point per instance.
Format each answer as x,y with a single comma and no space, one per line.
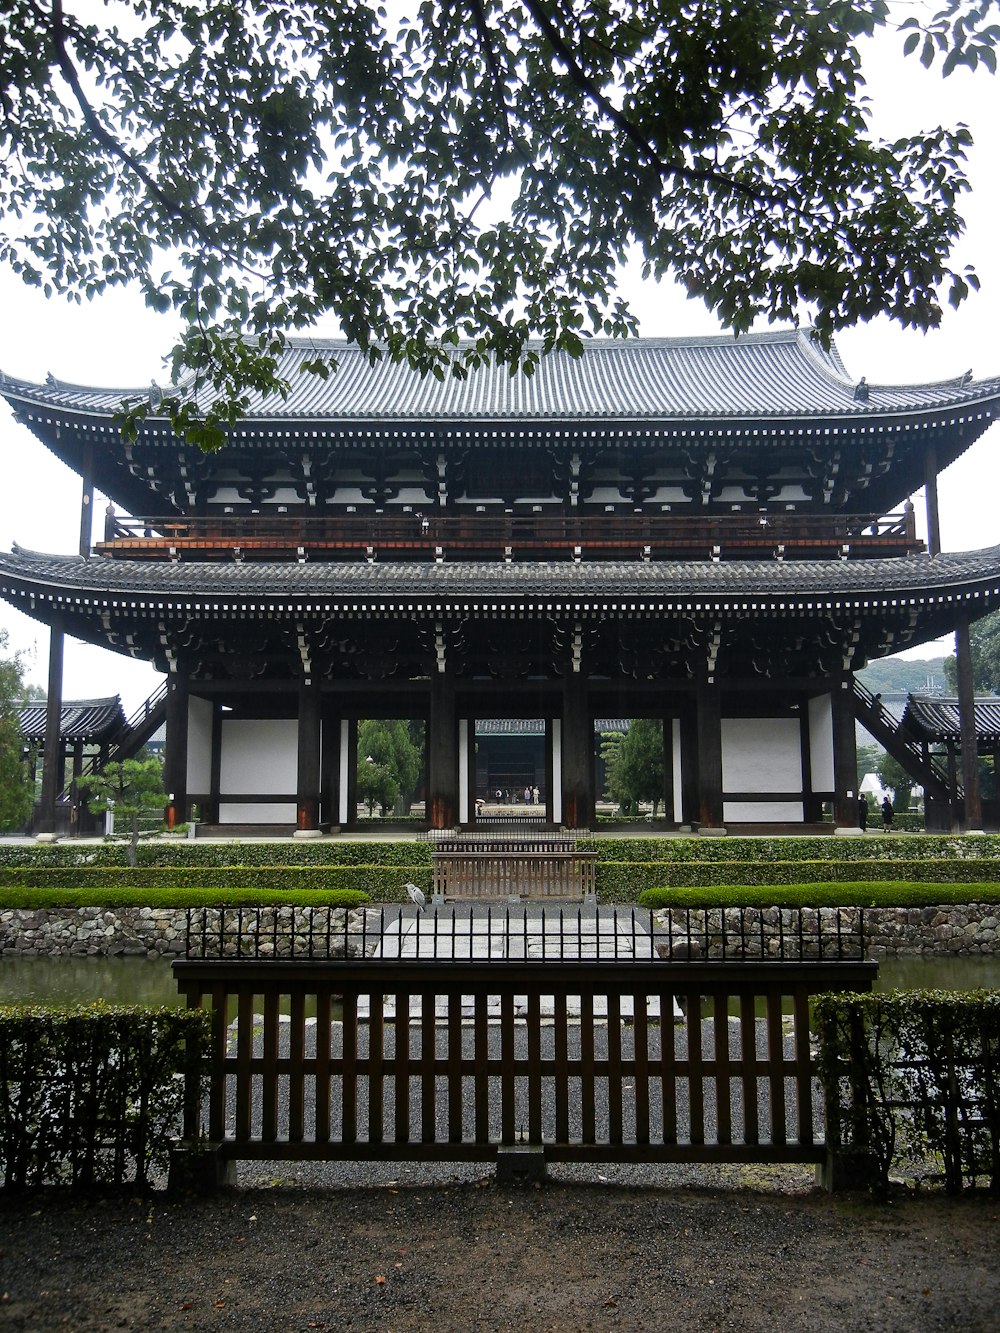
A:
931,500
329,782
577,754
845,753
967,725
176,751
213,815
709,723
668,768
308,779
87,501
52,754
442,754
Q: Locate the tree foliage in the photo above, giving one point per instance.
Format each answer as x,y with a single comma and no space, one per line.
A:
15,789
891,773
984,641
635,767
131,787
389,764
477,172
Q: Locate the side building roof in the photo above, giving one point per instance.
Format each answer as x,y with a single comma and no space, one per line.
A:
88,720
933,717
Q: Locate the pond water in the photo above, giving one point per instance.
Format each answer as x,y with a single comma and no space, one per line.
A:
150,981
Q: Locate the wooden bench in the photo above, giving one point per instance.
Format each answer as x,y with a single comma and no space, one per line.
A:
507,869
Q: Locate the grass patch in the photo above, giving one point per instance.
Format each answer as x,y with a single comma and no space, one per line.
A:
860,893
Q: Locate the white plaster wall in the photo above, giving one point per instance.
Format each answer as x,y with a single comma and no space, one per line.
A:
259,755
256,812
762,812
761,754
821,742
199,757
675,747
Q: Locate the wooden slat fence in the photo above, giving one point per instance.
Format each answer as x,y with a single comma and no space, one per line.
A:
453,1060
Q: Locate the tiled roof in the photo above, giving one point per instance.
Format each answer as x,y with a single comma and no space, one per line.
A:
733,582
783,374
535,726
936,718
80,719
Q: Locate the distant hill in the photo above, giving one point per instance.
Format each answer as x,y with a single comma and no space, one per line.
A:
897,675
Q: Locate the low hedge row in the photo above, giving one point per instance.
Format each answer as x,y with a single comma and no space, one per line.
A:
840,893
624,881
406,854
171,895
381,883
92,1096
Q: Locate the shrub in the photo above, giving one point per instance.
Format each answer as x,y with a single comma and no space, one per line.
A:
912,1081
858,893
91,1095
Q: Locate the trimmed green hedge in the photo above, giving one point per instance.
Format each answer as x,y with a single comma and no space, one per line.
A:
870,847
169,895
220,854
91,1095
841,893
377,882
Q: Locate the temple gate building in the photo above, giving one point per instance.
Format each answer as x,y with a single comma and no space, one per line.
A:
713,532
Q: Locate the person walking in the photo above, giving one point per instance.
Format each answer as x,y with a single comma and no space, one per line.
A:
863,813
887,814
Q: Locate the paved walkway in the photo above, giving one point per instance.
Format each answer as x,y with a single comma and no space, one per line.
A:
534,933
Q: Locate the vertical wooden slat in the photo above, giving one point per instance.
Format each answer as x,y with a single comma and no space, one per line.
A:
614,1068
481,1075
269,1069
401,1067
748,1056
217,1078
244,1071
376,1069
534,1068
803,1066
640,1038
428,1056
560,1037
668,1068
454,1067
508,1105
776,1067
296,1073
696,1069
324,1015
587,1103
723,1094
349,1069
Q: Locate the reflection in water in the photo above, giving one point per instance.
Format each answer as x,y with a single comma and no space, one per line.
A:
150,981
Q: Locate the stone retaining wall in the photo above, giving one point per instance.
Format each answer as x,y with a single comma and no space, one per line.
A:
151,932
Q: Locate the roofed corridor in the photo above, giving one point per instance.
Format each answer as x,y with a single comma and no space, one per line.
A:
435,537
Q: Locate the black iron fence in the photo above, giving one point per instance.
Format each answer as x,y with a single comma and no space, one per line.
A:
548,934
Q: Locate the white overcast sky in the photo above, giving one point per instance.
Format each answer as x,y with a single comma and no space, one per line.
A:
116,341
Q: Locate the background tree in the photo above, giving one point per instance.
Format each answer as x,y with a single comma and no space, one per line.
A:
133,788
984,640
869,758
892,774
636,773
389,763
473,172
15,787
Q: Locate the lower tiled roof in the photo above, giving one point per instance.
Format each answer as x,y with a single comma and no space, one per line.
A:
80,719
936,718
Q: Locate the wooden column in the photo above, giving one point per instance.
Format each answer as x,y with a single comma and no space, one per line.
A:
213,815
329,782
308,780
52,754
176,746
442,754
845,753
577,754
689,763
87,501
709,723
668,768
931,500
967,725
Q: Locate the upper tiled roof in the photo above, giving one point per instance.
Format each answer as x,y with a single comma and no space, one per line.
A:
782,374
936,718
618,581
80,719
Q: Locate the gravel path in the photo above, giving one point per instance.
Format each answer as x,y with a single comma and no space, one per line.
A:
485,1257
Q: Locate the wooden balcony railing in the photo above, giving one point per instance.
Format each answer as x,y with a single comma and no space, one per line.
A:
512,537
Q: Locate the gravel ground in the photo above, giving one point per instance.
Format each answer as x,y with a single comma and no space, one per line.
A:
476,1255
